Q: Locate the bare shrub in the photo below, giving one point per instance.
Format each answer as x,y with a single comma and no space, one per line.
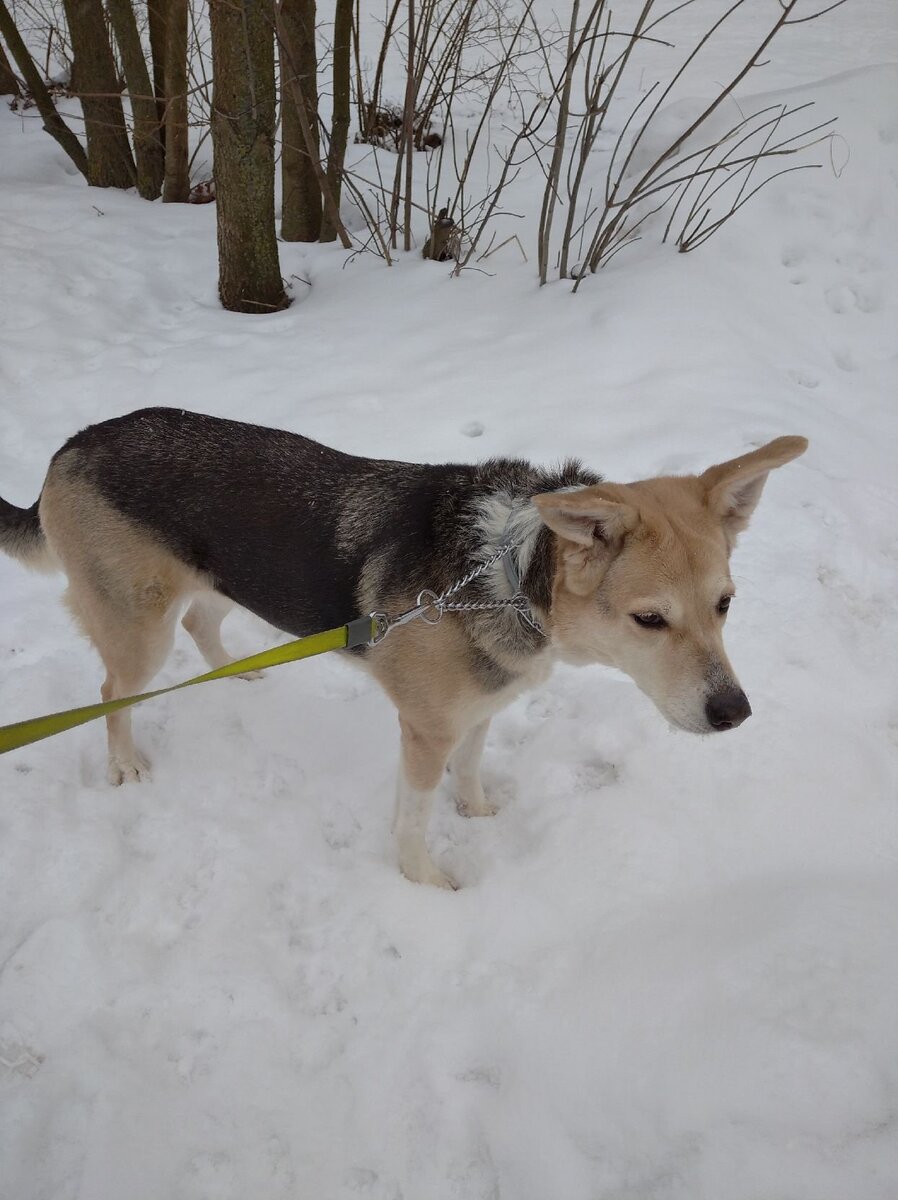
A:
453,51
705,170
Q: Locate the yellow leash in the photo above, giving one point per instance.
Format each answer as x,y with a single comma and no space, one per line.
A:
360,632
363,631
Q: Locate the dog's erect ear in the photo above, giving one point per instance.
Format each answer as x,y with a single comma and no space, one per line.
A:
733,489
592,516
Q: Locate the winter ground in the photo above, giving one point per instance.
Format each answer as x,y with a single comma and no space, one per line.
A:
672,972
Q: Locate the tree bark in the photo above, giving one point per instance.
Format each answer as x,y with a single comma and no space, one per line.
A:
243,121
157,22
408,118
301,214
323,185
148,151
176,188
9,85
53,122
109,160
340,123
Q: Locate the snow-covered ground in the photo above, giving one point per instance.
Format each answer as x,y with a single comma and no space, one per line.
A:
672,971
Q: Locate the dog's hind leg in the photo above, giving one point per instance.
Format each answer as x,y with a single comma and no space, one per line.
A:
203,622
132,653
465,767
423,761
125,590
133,632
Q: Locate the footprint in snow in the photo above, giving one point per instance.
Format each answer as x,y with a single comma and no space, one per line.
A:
839,299
793,256
591,776
804,379
17,1059
843,298
361,1179
209,1177
868,299
341,829
871,609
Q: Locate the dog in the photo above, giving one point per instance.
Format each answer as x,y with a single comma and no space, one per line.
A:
164,509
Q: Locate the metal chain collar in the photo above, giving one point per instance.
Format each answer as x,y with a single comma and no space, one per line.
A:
428,602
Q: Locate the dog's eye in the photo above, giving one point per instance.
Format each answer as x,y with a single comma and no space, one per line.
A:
649,620
724,604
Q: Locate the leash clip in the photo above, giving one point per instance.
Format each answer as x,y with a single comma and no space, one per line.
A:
380,627
430,607
425,601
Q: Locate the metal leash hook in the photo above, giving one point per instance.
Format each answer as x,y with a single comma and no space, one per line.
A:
428,599
380,627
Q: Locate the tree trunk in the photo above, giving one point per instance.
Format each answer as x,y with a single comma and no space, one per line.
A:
9,85
243,120
157,21
340,124
411,99
109,161
147,142
176,188
301,215
309,139
53,122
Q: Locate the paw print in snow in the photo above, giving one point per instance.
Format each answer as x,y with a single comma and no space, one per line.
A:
17,1059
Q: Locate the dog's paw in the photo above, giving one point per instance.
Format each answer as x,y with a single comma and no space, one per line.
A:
476,806
429,873
250,675
131,770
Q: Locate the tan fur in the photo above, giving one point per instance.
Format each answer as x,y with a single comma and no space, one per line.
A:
444,713
125,590
659,546
664,548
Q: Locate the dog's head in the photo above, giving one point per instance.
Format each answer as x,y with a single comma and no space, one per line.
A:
642,581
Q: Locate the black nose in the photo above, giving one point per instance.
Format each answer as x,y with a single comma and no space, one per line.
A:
727,709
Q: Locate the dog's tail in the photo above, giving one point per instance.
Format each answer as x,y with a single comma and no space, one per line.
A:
22,537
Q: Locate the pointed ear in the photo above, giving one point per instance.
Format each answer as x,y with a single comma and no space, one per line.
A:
598,514
733,489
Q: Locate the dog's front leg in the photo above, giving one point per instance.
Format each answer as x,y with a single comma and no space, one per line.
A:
465,767
423,761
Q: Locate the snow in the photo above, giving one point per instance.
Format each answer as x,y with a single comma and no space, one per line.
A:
672,970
